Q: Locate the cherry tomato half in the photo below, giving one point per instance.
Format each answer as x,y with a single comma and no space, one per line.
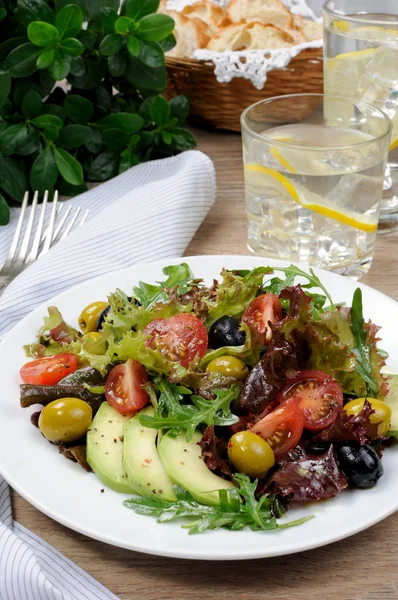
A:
259,313
49,369
318,395
123,387
282,428
179,338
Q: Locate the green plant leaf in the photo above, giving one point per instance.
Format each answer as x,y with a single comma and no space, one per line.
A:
72,47
13,178
168,43
42,34
128,159
111,44
96,68
148,7
44,171
46,58
53,109
179,106
4,211
21,62
3,13
94,6
5,86
29,144
94,142
151,54
66,189
51,133
117,63
145,78
33,10
87,38
10,45
133,45
44,121
182,139
70,169
77,65
60,4
79,109
104,166
69,21
159,111
60,68
114,139
124,25
166,137
104,22
11,136
132,8
32,104
154,28
124,121
73,136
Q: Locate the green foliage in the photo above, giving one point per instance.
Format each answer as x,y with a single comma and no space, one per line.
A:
54,139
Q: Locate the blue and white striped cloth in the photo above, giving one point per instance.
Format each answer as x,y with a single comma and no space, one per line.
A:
151,211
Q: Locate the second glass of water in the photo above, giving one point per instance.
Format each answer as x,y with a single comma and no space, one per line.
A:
314,169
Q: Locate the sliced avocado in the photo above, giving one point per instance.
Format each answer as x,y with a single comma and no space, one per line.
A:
145,470
185,466
392,401
105,448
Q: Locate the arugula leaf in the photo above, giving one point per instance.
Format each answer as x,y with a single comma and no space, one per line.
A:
362,349
179,276
276,285
172,414
231,514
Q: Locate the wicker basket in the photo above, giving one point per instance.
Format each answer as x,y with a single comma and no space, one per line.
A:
220,105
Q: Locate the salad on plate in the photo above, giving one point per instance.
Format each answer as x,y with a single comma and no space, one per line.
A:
220,405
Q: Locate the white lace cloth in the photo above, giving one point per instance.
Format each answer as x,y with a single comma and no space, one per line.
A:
252,64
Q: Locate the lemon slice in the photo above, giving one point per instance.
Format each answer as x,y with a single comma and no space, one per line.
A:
279,156
263,176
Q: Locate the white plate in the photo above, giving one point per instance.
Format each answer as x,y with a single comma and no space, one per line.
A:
63,491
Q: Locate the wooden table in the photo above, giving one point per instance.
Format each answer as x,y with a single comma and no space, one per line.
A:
362,567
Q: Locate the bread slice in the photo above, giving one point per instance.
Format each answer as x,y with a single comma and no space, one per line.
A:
264,11
210,13
190,33
250,36
311,29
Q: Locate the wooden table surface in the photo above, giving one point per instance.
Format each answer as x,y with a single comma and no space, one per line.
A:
362,567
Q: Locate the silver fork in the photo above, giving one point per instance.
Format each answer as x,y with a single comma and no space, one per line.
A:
38,242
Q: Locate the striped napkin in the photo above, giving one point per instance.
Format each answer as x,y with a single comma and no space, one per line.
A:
148,212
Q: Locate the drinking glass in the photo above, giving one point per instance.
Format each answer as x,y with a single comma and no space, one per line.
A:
314,169
361,62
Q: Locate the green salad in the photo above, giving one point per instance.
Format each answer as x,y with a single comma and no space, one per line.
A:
218,405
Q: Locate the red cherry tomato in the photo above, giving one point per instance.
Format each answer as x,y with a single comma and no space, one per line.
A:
317,394
179,338
123,387
282,428
49,369
259,313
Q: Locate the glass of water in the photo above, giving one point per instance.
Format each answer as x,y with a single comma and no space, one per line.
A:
361,62
314,169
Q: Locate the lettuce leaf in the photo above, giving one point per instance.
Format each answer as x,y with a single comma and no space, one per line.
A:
178,276
233,294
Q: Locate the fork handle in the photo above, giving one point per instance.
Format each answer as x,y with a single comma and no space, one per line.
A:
4,281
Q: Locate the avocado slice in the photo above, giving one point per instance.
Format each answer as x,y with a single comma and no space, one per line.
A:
185,466
145,471
392,401
105,448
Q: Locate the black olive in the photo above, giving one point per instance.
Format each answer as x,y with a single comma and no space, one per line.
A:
318,448
225,332
101,318
360,464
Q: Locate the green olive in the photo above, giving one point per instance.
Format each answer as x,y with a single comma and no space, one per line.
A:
250,454
381,415
229,366
89,316
65,420
94,343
